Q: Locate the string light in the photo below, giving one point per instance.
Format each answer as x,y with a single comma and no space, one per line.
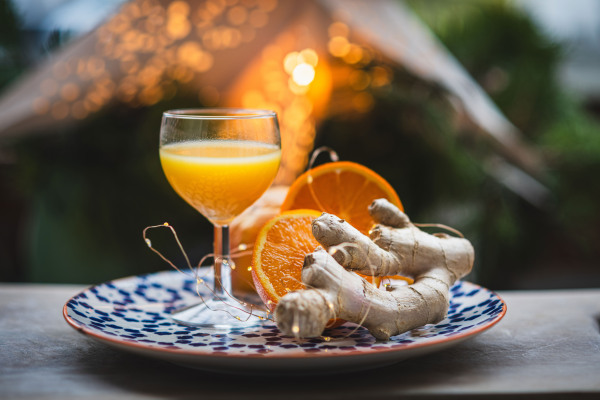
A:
199,280
303,74
143,32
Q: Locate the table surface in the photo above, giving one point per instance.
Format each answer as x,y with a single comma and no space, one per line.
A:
547,346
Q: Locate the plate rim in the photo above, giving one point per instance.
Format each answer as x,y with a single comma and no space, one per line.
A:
112,340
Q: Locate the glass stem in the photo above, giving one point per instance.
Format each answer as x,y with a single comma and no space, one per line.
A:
222,283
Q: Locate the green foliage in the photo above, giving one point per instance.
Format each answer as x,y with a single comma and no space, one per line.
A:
93,191
572,146
411,139
517,65
505,52
77,200
12,59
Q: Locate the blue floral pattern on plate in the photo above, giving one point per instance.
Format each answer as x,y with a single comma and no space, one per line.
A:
134,314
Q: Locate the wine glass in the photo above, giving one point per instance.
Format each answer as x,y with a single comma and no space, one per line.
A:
220,161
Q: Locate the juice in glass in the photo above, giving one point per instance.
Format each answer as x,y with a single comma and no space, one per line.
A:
220,178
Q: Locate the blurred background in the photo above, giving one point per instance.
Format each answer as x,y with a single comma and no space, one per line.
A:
482,114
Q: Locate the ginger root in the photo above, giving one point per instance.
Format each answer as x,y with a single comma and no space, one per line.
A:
395,247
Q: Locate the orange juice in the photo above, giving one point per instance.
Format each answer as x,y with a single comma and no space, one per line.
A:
220,178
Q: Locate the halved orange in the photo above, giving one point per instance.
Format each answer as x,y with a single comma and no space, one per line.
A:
279,253
343,188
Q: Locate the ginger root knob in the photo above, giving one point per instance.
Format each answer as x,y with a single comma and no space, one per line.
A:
395,247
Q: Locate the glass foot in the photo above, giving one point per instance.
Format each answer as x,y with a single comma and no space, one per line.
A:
219,314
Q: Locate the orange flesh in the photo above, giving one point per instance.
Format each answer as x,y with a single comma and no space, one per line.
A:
344,189
279,254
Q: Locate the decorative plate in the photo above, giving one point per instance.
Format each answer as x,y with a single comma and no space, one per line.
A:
133,314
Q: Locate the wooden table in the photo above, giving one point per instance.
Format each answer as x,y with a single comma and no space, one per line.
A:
547,346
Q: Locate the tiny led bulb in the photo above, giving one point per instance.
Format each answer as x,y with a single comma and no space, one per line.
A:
303,74
148,242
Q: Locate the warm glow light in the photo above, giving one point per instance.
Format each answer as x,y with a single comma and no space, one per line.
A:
178,26
258,18
267,5
150,47
303,74
338,46
69,92
179,7
301,68
290,61
41,105
354,55
338,29
359,80
237,15
380,76
309,56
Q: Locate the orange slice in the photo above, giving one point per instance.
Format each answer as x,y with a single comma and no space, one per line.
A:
279,253
343,188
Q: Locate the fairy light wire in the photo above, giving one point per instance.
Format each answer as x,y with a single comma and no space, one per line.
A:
310,179
195,273
310,183
243,250
149,243
441,226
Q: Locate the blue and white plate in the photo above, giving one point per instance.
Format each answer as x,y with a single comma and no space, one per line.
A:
133,314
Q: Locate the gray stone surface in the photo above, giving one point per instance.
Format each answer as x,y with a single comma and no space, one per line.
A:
547,346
